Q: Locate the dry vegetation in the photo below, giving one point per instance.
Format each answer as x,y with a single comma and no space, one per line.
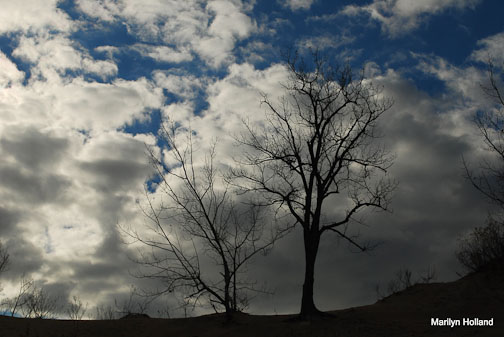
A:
405,313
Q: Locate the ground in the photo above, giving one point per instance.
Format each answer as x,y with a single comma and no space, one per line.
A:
407,313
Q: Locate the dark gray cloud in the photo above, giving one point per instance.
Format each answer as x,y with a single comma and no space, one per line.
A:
32,149
34,188
8,220
24,257
111,175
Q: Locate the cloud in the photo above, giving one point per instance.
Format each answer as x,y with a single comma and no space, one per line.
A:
185,27
53,55
68,176
32,16
323,42
463,83
9,73
492,48
398,17
297,4
163,53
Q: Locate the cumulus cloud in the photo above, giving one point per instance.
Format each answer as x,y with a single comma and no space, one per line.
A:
68,176
163,53
210,31
9,73
52,55
398,17
32,16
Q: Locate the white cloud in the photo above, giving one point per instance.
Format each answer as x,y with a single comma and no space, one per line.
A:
9,73
492,48
32,16
183,26
99,106
399,17
297,4
183,85
54,54
163,53
465,83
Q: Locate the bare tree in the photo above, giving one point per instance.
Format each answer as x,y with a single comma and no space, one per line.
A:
490,180
13,305
39,304
105,312
4,258
318,149
404,280
483,248
199,228
76,309
134,305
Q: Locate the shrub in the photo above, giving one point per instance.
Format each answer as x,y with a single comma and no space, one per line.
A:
403,280
483,248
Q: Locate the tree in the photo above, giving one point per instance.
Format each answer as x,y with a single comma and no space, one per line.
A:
39,304
317,149
490,182
199,227
76,309
4,258
483,248
14,304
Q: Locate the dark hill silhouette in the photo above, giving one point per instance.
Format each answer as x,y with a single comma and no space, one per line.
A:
408,313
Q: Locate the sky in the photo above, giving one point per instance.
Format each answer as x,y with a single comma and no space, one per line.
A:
86,83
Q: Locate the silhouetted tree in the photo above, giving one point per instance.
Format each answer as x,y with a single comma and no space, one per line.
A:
4,258
16,303
490,180
198,228
105,312
39,304
317,150
76,309
134,305
483,248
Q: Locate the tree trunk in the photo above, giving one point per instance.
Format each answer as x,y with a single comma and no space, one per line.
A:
311,242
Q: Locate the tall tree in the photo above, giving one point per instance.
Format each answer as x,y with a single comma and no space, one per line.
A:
318,150
202,238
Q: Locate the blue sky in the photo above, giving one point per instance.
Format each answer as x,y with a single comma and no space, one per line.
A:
85,84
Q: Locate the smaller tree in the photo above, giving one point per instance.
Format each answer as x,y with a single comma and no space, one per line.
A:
15,304
39,304
4,258
133,306
105,312
483,248
76,309
404,280
202,237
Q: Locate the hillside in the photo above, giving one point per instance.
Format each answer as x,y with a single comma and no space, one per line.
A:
404,314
